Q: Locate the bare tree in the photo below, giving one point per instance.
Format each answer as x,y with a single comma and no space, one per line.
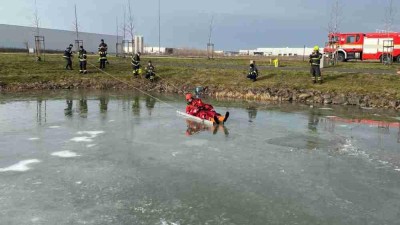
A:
131,25
124,25
390,14
36,20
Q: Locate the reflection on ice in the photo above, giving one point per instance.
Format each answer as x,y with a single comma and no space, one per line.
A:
20,166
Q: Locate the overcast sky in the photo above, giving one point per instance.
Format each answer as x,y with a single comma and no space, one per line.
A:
238,24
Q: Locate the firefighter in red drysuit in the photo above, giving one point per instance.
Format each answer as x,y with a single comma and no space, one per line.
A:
196,107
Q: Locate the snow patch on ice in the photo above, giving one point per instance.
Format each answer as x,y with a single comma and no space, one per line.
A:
20,166
165,222
82,139
325,108
54,127
93,134
110,121
35,219
33,138
90,145
65,154
195,142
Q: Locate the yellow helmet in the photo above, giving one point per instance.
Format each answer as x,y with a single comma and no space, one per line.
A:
316,48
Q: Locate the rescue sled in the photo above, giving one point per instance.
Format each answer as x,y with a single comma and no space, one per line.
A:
200,120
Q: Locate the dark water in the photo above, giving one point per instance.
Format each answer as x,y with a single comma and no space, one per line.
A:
122,158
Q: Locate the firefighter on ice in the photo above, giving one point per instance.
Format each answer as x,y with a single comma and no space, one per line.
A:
82,60
315,61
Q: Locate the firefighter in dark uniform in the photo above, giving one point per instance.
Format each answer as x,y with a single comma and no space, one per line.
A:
103,54
136,64
150,74
82,60
253,72
315,61
67,56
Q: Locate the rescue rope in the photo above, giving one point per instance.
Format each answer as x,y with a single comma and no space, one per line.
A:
138,89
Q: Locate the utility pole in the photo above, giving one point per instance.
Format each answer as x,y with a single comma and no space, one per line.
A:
159,27
210,46
333,28
117,30
76,25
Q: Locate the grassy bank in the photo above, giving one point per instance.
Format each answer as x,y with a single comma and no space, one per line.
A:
225,73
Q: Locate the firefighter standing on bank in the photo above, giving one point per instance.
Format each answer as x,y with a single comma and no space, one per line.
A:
67,56
82,60
315,61
150,74
103,54
136,64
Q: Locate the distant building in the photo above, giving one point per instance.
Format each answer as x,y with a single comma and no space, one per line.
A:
279,51
18,37
154,50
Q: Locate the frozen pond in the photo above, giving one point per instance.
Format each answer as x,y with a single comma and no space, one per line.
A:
122,158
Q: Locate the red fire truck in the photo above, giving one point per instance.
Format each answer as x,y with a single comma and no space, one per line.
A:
364,46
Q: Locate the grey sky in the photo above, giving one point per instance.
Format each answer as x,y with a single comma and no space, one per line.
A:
238,24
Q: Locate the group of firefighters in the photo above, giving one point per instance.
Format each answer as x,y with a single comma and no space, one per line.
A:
195,106
82,56
315,61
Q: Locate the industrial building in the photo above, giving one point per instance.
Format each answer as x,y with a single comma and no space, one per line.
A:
21,37
279,51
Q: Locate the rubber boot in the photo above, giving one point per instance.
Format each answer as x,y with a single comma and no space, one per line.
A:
215,119
226,117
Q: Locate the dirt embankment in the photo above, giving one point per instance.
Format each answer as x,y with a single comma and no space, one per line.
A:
258,94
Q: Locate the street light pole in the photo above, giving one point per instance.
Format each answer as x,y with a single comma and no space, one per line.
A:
159,27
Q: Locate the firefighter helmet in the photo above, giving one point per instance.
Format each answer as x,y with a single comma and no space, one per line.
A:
188,96
316,48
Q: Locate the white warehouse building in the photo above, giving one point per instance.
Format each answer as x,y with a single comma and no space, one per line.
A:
279,51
